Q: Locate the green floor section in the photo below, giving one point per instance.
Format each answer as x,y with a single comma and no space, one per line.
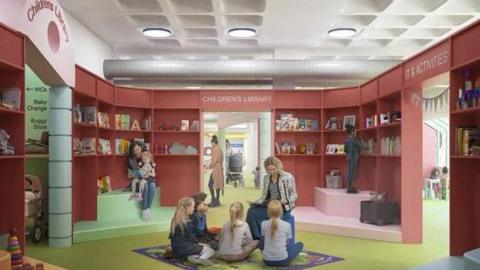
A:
358,254
119,217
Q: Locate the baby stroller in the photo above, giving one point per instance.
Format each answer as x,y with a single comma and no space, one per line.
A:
34,207
235,170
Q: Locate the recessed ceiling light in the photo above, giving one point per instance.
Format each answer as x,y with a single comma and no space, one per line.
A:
342,32
242,32
157,32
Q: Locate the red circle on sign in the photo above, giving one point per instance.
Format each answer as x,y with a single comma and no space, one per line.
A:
53,37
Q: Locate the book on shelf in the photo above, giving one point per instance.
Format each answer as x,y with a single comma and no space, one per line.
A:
89,114
147,123
335,149
390,117
10,98
371,121
368,146
467,140
103,120
390,146
121,146
104,147
122,121
84,146
289,123
185,125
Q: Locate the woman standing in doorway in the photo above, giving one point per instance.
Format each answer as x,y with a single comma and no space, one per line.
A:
277,185
215,182
134,158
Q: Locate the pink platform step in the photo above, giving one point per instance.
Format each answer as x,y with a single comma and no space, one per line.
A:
312,220
337,202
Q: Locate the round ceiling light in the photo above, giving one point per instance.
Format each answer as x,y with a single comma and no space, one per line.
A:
342,32
157,32
242,32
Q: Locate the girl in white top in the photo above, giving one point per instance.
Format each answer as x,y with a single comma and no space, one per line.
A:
236,242
275,234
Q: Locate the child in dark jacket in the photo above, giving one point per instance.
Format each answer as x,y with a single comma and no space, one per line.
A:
199,221
183,242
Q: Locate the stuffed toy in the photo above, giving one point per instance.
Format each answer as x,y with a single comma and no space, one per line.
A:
5,147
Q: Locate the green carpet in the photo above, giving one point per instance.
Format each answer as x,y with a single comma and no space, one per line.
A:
358,254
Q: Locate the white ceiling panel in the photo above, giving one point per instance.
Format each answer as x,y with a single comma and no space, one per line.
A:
286,29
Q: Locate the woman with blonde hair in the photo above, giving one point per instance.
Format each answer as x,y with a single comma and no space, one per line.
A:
277,185
183,242
275,234
236,242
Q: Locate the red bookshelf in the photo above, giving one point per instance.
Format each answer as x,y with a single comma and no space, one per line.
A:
464,199
12,75
305,167
167,123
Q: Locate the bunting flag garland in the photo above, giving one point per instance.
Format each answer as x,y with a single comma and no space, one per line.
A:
431,103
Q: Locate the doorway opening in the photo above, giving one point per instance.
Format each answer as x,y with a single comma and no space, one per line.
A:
244,138
436,163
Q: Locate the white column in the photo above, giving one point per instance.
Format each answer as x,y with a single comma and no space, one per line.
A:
265,139
60,167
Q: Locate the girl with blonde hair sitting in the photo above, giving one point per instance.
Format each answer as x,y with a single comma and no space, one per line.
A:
275,234
236,242
184,244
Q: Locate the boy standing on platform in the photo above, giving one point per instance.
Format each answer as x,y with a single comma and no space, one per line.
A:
352,152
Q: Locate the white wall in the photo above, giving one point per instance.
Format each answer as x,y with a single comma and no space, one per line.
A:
89,49
251,146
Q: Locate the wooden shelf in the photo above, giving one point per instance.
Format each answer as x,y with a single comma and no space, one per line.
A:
84,156
368,155
394,124
107,155
171,155
4,110
334,131
367,129
11,157
36,156
120,155
465,157
466,111
84,125
177,131
334,155
106,129
298,131
5,65
298,155
133,131
133,107
390,156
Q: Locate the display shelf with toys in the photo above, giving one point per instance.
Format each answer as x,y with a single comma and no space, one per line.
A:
177,135
12,132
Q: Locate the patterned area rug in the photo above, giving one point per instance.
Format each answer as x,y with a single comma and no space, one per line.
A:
306,259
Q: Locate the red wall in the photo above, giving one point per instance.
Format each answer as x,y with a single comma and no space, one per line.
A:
429,150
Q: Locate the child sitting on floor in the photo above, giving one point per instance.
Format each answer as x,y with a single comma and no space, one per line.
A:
199,221
275,234
236,241
183,242
147,173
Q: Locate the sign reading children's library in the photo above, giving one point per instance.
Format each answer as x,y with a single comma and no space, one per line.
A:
236,100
